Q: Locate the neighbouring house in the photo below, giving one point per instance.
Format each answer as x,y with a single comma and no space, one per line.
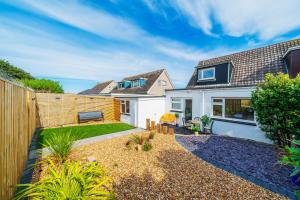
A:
221,88
100,88
143,96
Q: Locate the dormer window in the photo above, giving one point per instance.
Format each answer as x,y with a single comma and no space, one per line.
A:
120,85
135,83
206,74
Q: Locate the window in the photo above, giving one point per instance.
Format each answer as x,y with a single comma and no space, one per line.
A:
135,83
176,104
205,74
121,85
125,107
232,108
162,83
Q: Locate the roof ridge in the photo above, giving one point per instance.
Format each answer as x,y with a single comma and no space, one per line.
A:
128,77
249,50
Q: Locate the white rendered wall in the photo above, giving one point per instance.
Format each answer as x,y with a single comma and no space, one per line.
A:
152,108
202,105
130,118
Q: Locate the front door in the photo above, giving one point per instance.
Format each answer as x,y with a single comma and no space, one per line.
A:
188,109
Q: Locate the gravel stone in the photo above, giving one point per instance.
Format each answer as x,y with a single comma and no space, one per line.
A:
167,171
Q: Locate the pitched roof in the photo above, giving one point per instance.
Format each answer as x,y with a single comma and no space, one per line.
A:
150,77
97,89
251,66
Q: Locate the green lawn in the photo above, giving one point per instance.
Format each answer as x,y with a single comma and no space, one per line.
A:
84,131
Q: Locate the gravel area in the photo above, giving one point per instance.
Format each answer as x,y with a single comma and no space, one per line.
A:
254,161
167,171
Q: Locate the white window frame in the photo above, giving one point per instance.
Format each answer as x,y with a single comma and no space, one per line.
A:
200,71
123,102
177,101
135,83
223,109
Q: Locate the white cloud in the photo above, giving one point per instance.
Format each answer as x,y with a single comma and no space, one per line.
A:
262,18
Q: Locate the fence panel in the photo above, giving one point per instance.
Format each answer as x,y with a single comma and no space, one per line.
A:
62,109
17,126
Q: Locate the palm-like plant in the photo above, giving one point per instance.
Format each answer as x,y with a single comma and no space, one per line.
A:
70,181
60,145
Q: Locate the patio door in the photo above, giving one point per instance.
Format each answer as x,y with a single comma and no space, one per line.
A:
188,109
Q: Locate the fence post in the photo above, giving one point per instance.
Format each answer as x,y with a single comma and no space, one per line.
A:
165,129
171,131
158,128
153,125
148,124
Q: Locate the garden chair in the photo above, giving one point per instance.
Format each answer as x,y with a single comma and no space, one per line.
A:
208,128
186,124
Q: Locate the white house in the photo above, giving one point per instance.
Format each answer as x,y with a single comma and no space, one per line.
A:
143,96
221,88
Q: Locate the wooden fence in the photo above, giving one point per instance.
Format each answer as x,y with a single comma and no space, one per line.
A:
61,109
17,126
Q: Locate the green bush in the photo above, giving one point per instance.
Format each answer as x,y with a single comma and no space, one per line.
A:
60,145
276,102
73,180
43,85
293,159
147,146
12,71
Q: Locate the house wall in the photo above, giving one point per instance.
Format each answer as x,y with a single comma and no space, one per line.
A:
152,108
143,108
109,88
159,90
130,118
202,105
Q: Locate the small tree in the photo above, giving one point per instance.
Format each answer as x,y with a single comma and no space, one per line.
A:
277,105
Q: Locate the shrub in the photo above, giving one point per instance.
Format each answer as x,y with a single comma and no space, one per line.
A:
277,105
147,146
43,85
60,145
293,159
70,181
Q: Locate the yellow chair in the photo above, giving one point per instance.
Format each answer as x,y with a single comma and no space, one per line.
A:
168,118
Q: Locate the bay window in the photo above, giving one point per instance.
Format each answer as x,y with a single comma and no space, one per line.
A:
232,108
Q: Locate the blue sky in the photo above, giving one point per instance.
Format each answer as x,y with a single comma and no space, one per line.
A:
81,43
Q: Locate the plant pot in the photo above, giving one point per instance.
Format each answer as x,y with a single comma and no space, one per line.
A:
296,180
196,133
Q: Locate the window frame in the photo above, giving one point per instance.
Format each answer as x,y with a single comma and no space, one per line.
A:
126,107
179,101
135,83
223,104
200,71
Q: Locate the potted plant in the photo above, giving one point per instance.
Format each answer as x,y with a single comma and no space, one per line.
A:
293,159
205,119
177,116
195,128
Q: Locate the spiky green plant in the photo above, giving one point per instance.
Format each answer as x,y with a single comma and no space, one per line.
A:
137,139
60,145
151,135
147,146
72,180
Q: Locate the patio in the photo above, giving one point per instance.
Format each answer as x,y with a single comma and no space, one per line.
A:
254,161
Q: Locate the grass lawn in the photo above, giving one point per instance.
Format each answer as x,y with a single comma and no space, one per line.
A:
84,131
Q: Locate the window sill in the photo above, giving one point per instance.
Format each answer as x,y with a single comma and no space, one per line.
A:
209,79
125,114
235,121
178,111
